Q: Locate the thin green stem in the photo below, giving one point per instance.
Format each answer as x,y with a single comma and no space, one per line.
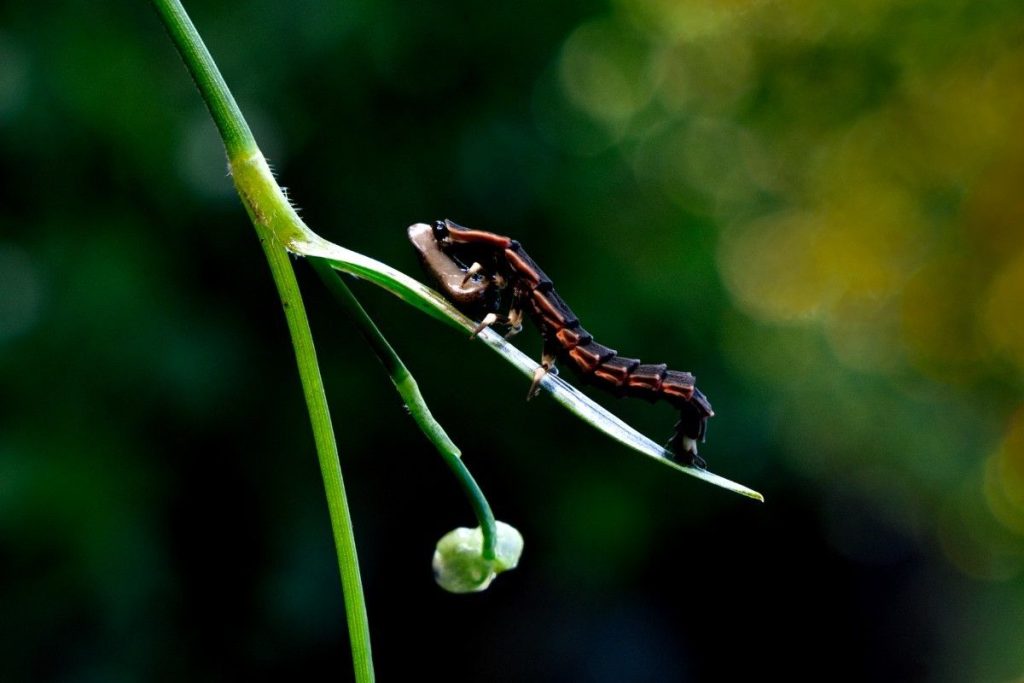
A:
233,128
277,225
327,451
409,390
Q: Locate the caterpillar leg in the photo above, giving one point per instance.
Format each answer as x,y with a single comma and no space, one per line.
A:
471,271
547,364
698,462
514,322
684,450
487,321
690,429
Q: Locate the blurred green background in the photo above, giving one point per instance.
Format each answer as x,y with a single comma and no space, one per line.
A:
816,206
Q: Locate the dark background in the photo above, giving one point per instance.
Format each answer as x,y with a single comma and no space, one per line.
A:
815,206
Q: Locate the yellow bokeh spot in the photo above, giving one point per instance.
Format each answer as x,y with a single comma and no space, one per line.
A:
772,267
1004,477
994,209
845,264
1003,322
874,234
966,115
939,320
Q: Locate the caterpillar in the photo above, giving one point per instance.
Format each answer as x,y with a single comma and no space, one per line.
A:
473,268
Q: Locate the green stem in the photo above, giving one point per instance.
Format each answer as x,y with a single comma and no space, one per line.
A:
327,451
409,390
276,225
233,128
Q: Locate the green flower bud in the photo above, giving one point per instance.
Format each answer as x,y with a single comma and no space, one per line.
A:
459,565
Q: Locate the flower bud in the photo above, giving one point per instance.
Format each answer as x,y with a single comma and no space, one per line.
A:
459,564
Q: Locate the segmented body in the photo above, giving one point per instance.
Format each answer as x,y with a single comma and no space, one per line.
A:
448,252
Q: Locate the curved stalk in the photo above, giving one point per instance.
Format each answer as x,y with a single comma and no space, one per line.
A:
409,390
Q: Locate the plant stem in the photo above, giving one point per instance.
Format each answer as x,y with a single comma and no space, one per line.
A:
409,390
327,451
234,130
277,224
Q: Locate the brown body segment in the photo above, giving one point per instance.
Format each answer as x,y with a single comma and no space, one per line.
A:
461,235
587,357
616,371
524,266
677,385
553,309
563,335
570,338
645,380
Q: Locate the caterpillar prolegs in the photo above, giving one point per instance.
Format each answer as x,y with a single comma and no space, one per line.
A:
474,267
